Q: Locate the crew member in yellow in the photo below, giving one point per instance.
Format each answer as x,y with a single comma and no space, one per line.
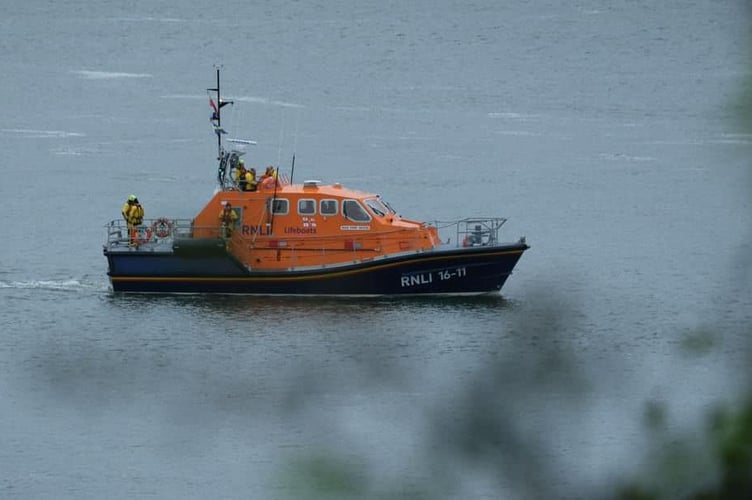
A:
240,175
227,217
250,180
133,213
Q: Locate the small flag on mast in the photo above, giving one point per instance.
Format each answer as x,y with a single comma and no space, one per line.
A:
215,114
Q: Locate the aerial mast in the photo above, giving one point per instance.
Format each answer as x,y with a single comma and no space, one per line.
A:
219,117
216,117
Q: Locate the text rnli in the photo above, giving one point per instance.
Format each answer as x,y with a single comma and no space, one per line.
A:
408,280
250,230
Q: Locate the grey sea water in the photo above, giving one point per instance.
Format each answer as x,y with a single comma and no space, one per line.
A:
605,131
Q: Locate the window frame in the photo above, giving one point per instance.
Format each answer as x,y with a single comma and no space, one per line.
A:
281,201
360,206
313,206
336,206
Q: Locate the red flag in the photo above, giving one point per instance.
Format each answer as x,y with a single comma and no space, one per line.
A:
211,103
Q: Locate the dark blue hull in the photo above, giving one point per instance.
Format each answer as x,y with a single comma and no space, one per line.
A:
474,270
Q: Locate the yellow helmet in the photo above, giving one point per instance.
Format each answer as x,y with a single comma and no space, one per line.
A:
132,197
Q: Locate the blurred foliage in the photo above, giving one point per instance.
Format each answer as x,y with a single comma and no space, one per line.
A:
726,471
683,469
326,477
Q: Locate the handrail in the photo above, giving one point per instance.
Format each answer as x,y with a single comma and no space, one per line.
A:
151,230
474,231
312,242
478,231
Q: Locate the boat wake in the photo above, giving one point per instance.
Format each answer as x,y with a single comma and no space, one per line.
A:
107,75
509,115
150,19
263,100
518,133
625,157
71,151
38,134
56,285
251,99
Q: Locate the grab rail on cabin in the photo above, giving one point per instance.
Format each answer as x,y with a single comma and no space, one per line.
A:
361,241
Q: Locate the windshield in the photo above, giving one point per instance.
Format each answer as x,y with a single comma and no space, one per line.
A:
376,206
388,206
354,211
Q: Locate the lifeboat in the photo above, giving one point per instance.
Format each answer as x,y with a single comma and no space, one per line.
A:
270,236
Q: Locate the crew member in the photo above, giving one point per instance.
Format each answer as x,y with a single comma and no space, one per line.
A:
269,178
133,213
250,180
241,175
227,217
269,172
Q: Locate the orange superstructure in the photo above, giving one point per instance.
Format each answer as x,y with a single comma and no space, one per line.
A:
312,225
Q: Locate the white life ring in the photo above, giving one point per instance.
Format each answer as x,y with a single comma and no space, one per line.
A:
162,227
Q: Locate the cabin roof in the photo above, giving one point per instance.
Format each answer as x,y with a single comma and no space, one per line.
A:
335,190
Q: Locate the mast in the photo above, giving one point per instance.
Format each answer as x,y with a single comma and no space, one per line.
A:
224,159
216,117
219,118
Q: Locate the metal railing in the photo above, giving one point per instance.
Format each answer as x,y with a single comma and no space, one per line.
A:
149,231
473,231
470,232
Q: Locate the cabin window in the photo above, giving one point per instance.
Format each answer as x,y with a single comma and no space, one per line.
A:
376,206
279,206
306,207
355,211
328,207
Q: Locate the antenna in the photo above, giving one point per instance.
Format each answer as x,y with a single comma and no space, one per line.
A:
292,169
294,144
274,198
216,117
281,137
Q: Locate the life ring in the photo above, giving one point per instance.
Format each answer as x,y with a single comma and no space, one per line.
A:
162,227
141,235
147,236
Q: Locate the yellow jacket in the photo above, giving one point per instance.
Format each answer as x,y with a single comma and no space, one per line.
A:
250,182
133,213
228,216
137,214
